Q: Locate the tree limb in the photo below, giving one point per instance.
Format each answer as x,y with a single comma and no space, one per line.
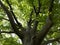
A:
6,32
35,24
34,8
40,36
11,10
30,21
9,14
39,6
4,19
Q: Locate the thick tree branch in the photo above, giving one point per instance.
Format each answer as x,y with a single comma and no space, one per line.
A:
15,18
9,14
40,36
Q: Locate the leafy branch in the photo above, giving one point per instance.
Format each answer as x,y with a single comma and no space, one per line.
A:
15,18
45,29
11,19
35,24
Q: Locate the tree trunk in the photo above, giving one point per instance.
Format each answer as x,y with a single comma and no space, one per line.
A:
30,38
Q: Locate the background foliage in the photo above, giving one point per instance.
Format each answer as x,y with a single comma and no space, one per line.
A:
22,10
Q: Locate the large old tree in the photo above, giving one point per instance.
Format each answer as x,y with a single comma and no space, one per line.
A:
35,22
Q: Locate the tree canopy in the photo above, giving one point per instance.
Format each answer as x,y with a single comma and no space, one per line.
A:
29,22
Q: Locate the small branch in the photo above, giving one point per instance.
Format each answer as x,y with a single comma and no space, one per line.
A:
51,6
6,32
30,21
58,31
39,6
30,17
51,41
4,19
35,24
34,8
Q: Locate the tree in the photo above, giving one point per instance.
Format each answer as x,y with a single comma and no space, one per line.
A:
40,20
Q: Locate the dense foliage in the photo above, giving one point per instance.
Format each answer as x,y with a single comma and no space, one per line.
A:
24,10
